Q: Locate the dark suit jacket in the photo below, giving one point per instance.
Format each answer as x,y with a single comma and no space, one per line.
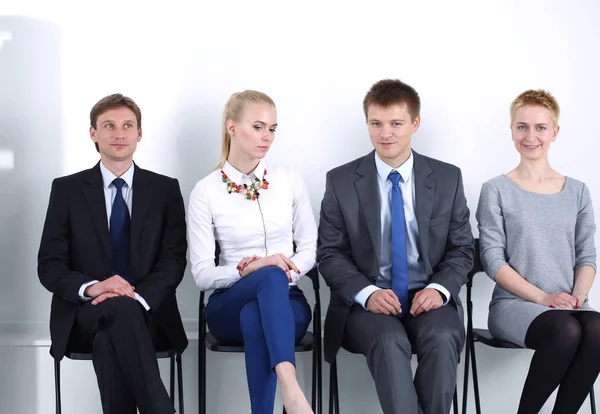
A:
350,234
75,248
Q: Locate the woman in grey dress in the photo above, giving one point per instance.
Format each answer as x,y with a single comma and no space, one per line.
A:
536,230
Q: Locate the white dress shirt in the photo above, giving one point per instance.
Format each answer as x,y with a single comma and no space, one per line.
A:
110,192
415,265
280,217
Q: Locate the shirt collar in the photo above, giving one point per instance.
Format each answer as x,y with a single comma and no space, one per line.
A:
108,177
405,170
236,176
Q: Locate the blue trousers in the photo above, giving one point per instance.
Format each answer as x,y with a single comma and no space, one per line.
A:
268,316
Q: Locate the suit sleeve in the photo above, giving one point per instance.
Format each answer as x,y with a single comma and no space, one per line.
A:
170,265
334,250
452,272
53,255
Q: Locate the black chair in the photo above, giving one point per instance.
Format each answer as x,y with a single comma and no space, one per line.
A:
171,354
334,396
310,342
483,336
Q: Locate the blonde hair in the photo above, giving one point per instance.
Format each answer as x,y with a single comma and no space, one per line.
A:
234,108
538,97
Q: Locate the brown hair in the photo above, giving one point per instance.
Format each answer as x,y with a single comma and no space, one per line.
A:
113,101
537,97
234,108
390,92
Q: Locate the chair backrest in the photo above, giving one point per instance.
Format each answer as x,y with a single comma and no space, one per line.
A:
477,268
477,265
313,274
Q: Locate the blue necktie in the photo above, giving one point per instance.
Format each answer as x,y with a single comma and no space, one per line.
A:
120,230
399,252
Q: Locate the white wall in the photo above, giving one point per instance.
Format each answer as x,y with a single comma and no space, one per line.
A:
468,60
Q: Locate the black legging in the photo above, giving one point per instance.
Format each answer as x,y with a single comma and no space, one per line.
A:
567,354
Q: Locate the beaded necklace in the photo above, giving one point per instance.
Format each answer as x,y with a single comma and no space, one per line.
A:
249,191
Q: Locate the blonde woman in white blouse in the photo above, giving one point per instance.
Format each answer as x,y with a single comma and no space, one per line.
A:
256,211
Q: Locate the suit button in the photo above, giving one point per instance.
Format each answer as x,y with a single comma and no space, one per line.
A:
374,278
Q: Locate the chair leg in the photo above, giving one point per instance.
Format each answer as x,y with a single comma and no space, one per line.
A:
593,400
336,391
180,383
172,379
202,378
465,395
319,376
313,396
455,401
475,378
331,386
57,385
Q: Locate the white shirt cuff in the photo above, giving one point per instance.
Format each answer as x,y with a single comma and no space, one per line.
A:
362,296
142,301
440,289
82,296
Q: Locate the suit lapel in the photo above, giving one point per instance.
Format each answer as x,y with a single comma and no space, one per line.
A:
93,193
367,189
424,195
142,196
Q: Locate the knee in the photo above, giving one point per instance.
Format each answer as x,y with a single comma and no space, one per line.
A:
391,343
591,332
272,277
591,338
122,309
442,338
453,336
567,336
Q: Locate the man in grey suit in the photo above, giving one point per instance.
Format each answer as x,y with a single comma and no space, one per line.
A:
395,247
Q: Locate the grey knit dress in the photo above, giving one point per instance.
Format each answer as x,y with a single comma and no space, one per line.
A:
543,237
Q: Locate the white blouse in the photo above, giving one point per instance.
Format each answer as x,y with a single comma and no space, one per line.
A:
280,217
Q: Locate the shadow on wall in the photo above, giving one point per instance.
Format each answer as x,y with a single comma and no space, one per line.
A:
198,149
30,144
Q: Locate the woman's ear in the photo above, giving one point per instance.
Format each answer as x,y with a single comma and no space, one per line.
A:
556,129
230,126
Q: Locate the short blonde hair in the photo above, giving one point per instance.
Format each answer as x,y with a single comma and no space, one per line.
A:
537,97
234,108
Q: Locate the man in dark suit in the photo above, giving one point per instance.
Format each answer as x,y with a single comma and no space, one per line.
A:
113,252
395,247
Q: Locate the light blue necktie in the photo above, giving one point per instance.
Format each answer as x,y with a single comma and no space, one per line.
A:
399,252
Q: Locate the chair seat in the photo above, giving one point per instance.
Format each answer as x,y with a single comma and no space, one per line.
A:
306,344
87,356
484,336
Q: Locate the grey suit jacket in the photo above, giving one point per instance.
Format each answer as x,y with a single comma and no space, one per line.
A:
349,242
